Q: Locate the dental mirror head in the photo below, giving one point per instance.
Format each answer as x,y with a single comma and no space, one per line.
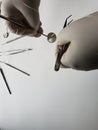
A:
51,37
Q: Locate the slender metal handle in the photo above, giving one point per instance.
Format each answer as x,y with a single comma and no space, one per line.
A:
51,37
16,23
1,70
15,68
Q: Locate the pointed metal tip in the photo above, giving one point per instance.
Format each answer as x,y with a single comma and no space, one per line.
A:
57,67
10,92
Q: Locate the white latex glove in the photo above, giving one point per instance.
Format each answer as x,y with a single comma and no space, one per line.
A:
25,12
81,38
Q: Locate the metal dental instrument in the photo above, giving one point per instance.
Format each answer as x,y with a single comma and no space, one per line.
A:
62,48
3,75
15,68
12,21
66,23
58,59
14,52
51,37
20,51
13,40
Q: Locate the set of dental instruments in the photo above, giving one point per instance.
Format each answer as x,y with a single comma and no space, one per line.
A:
51,38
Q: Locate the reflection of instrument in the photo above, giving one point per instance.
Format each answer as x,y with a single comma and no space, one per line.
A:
51,37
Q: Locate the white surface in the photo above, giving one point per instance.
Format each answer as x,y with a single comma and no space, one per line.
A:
49,100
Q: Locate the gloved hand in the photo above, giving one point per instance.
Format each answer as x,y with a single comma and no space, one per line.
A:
25,12
77,44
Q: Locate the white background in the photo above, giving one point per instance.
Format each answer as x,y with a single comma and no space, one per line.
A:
48,100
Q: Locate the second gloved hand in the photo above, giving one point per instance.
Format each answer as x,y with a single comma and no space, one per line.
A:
77,44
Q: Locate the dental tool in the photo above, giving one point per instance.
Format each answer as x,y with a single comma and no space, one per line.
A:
62,48
51,37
